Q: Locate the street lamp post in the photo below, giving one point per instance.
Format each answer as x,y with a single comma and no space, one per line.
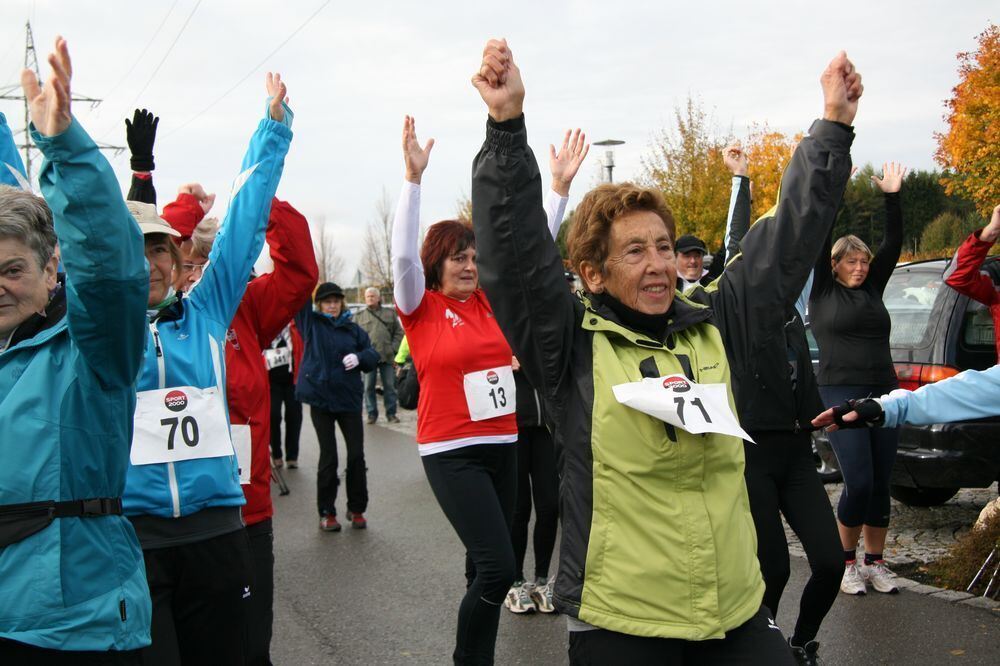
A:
609,156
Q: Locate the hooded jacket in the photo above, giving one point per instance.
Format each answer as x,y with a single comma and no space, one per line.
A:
67,395
185,342
269,303
323,381
657,535
965,275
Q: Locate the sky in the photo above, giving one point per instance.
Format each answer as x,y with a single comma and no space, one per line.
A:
616,69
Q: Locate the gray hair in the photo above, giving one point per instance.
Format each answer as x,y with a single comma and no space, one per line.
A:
203,236
26,218
373,290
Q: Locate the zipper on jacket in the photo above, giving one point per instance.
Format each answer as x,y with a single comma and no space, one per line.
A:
161,370
538,406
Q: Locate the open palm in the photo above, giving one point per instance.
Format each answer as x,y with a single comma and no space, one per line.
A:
50,105
415,157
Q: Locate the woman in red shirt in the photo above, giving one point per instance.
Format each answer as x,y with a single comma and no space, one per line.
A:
466,427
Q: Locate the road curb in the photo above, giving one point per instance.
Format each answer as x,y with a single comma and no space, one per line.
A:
950,596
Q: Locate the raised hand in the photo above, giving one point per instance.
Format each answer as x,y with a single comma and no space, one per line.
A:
278,92
892,177
566,163
499,81
415,157
50,106
141,135
205,200
992,230
841,90
735,159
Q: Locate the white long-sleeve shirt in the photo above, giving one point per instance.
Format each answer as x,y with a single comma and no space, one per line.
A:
406,267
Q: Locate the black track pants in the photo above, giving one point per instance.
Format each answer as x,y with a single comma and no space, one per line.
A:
260,612
536,478
200,595
782,479
756,641
284,394
327,480
475,486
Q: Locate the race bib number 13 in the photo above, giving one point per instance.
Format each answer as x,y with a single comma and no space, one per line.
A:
490,393
181,423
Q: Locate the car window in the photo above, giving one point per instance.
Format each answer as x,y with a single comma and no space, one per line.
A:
909,297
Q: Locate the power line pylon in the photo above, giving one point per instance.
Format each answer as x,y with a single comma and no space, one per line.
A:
10,92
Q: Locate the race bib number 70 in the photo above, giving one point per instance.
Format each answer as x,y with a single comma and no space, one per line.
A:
180,423
697,408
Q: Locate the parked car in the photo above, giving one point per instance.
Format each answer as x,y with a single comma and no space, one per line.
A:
936,333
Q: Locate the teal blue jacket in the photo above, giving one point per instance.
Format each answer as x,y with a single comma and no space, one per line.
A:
968,395
11,167
67,395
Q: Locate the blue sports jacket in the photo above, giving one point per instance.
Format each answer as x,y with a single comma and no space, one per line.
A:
323,380
973,394
190,349
67,394
11,167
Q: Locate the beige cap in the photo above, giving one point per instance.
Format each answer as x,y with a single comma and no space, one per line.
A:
149,220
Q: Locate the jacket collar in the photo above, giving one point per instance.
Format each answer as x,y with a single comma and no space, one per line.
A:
683,315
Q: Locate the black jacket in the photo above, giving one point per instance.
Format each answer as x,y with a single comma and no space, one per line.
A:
754,300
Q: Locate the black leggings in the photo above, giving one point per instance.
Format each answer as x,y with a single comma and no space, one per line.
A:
782,479
283,393
866,456
536,476
327,480
475,486
756,641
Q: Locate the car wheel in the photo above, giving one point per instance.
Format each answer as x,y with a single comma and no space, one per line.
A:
826,460
921,496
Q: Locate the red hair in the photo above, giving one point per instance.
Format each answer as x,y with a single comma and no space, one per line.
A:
443,240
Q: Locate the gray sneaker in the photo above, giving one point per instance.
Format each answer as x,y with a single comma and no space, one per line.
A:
852,582
541,595
881,577
518,598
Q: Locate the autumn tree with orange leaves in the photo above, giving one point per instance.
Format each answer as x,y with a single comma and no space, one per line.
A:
970,150
685,163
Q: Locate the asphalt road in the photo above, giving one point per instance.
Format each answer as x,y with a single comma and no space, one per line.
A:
389,594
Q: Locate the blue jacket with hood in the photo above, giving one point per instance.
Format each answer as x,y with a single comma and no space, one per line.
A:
67,393
185,342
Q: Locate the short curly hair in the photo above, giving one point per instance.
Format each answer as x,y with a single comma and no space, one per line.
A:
443,239
590,233
27,219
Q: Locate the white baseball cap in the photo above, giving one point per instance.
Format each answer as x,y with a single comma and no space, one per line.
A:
149,220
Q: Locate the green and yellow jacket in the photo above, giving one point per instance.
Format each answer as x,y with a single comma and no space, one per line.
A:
657,536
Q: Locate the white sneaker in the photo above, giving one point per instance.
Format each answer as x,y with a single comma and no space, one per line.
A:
852,582
881,577
518,598
541,594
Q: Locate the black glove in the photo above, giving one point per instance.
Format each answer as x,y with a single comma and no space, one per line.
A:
141,134
869,413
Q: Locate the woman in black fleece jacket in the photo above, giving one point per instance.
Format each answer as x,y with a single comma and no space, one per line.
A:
852,327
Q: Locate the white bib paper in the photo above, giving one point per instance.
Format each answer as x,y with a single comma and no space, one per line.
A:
696,408
180,423
278,357
490,393
242,445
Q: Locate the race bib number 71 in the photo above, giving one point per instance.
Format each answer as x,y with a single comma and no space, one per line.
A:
697,408
180,423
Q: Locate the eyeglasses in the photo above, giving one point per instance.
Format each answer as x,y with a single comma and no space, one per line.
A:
200,268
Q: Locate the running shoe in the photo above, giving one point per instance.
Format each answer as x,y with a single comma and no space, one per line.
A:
519,598
807,655
293,464
392,418
358,521
541,595
278,462
328,523
372,419
881,577
852,582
